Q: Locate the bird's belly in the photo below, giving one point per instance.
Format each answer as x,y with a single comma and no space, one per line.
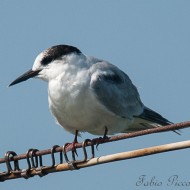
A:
86,114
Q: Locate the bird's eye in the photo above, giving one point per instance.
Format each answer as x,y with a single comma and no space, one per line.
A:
46,60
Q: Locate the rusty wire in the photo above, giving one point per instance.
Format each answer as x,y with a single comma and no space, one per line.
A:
35,161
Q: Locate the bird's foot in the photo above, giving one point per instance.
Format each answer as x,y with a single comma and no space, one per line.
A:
72,146
100,140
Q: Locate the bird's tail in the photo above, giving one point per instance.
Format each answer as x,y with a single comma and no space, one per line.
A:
149,119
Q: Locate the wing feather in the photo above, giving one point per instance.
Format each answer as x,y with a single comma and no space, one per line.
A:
114,90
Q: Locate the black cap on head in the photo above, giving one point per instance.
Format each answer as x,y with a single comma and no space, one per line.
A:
57,51
50,54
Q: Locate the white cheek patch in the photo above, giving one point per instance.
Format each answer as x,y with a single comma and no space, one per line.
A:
37,62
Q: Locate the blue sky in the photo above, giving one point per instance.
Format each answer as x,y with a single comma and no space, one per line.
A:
149,40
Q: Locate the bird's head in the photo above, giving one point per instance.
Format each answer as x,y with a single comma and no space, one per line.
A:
49,63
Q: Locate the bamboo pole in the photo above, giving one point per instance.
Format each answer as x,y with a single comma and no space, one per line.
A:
176,126
108,158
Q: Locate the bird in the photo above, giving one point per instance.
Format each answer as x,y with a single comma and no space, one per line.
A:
87,94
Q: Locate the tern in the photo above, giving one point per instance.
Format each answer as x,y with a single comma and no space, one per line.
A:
87,94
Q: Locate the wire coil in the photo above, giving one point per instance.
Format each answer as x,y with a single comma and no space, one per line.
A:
34,157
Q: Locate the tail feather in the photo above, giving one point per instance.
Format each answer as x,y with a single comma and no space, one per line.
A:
154,117
150,119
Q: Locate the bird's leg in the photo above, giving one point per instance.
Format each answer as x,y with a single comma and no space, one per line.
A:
76,135
102,139
105,133
73,145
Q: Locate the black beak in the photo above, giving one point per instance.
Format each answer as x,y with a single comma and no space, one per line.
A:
25,76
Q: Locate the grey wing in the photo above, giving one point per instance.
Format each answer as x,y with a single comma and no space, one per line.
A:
114,89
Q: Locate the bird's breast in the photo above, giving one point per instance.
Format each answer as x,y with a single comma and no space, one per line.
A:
70,102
